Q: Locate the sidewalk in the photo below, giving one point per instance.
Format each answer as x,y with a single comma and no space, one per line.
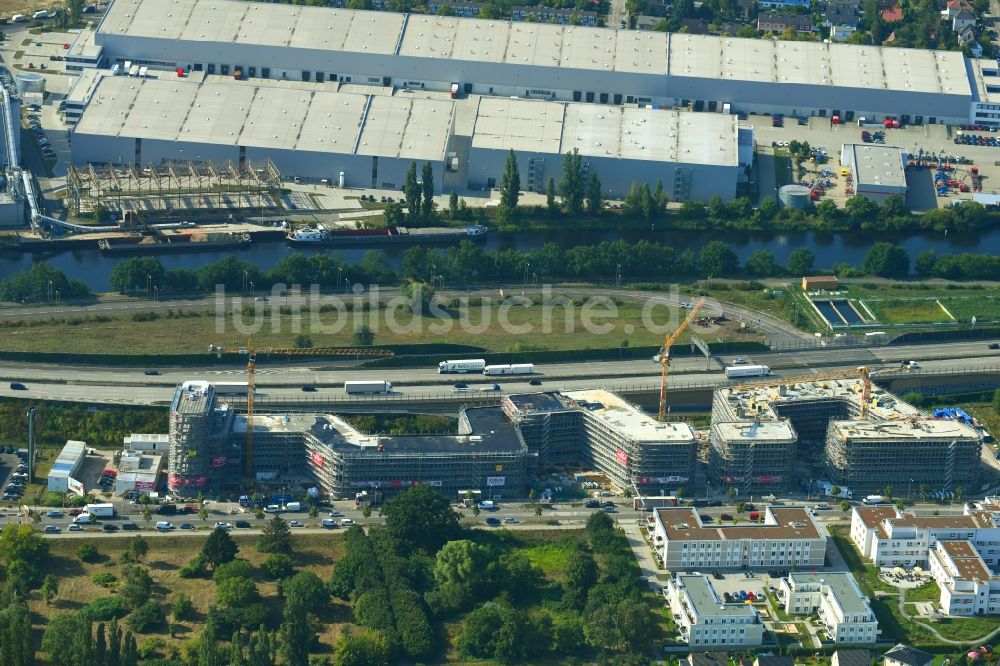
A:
647,563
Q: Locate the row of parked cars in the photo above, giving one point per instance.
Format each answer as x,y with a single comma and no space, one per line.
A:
35,123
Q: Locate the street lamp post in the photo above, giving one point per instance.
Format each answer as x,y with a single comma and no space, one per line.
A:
48,297
339,271
909,492
245,275
527,267
618,276
251,290
149,284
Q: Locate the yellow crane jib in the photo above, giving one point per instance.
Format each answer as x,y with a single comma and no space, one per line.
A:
665,356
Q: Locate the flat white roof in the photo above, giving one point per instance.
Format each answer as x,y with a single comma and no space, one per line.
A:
876,164
915,428
628,420
542,44
771,431
257,114
84,46
662,135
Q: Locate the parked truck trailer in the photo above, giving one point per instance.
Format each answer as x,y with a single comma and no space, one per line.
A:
512,369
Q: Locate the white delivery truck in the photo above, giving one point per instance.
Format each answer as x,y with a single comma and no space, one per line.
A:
294,507
356,388
874,499
738,371
84,519
512,369
468,365
100,510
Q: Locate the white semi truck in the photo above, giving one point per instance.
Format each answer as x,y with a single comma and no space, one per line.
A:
467,365
378,387
512,369
739,371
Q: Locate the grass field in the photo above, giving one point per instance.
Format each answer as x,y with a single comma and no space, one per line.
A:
985,307
898,311
497,328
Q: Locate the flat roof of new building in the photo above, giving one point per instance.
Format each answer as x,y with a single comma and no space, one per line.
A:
915,429
771,431
706,602
84,46
485,429
628,420
193,397
684,524
877,164
536,402
541,45
969,522
84,86
845,590
265,115
662,135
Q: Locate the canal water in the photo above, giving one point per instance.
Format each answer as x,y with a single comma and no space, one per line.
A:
831,248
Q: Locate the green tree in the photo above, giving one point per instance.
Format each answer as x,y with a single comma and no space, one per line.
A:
510,190
595,199
278,566
800,262
363,336
313,513
305,590
275,537
203,513
579,575
181,607
136,274
845,506
835,491
138,547
87,552
453,209
296,637
827,211
421,517
861,210
717,259
551,204
50,587
62,640
75,8
236,592
761,264
219,548
393,215
369,648
462,570
887,491
572,186
924,262
887,260
234,569
427,188
135,585
411,192
150,613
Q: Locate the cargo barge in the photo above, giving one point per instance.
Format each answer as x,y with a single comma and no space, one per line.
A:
185,241
320,235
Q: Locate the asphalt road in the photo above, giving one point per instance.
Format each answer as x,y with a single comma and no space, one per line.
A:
132,386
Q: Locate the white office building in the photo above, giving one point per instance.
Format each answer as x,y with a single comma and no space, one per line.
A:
967,585
66,465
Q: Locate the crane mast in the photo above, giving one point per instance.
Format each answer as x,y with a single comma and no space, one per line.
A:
665,357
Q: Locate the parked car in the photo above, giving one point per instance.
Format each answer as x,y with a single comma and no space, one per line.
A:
130,527
151,372
75,528
243,525
53,514
295,523
51,529
108,527
187,526
493,522
535,382
994,345
592,504
223,526
309,388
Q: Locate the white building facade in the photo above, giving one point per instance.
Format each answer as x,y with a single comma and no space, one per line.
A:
836,600
705,621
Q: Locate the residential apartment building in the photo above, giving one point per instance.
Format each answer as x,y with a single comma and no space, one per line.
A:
786,538
836,600
890,538
967,585
705,621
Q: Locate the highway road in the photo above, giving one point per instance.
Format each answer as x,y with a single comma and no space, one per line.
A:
132,386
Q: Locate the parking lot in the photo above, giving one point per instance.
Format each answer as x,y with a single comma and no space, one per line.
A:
14,476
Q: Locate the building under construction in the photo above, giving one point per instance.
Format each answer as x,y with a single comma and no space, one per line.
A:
759,431
172,188
497,450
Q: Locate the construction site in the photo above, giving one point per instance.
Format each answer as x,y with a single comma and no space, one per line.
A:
840,425
171,188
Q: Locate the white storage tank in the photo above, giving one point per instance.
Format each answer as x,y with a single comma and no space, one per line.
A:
29,82
794,196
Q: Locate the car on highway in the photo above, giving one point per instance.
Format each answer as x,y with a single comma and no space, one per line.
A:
535,382
309,388
187,526
592,504
18,386
739,361
609,509
151,373
346,522
130,527
74,512
511,521
51,529
53,514
335,514
223,526
295,523
994,345
108,527
75,528
493,522
495,387
164,526
243,525
460,386
909,364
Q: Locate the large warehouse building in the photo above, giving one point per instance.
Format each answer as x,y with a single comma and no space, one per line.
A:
362,140
539,60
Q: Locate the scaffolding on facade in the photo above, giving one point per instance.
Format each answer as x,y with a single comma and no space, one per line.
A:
173,187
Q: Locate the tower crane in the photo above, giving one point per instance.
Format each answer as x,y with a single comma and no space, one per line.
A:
668,341
251,355
864,373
